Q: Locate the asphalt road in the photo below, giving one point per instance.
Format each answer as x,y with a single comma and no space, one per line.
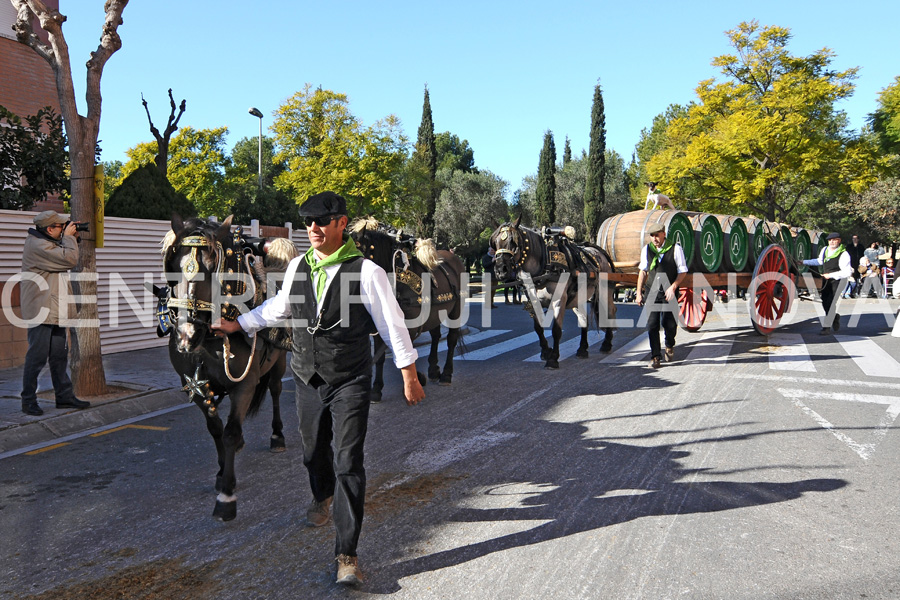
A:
749,468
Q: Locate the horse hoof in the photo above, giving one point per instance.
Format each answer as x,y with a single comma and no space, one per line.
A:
422,380
276,444
446,380
552,364
606,348
374,397
434,375
225,511
581,354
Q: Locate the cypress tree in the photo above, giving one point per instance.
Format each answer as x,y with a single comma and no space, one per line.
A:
545,194
593,189
567,153
426,155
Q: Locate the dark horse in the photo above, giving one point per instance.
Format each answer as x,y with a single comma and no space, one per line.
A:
428,289
564,275
210,272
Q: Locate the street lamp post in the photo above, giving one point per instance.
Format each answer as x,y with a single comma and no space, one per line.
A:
257,113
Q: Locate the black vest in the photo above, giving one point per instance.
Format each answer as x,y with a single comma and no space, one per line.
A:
667,266
832,264
335,348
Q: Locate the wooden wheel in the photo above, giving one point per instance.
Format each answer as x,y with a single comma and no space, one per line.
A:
770,289
692,308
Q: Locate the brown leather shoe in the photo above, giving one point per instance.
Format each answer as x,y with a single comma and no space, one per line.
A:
669,354
318,514
654,363
348,572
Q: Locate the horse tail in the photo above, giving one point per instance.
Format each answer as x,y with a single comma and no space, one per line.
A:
259,394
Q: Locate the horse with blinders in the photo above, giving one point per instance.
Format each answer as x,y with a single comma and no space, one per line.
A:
428,288
562,274
210,273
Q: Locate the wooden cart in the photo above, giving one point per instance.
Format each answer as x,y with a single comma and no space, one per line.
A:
774,283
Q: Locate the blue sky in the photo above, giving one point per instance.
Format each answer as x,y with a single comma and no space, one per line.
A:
499,73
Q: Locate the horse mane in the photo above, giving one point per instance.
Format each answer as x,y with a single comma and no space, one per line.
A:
427,254
364,224
279,252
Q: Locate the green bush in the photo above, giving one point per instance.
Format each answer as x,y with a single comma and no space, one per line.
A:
146,194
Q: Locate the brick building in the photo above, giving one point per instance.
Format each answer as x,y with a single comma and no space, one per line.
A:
27,83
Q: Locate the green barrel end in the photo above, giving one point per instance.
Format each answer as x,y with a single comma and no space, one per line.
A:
680,230
738,244
708,239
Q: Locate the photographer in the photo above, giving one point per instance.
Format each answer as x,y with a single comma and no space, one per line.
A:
50,250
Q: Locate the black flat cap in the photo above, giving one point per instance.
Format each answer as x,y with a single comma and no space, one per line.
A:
324,204
833,236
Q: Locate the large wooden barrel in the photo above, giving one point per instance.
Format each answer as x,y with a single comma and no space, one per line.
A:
736,243
802,246
707,242
758,231
784,237
622,236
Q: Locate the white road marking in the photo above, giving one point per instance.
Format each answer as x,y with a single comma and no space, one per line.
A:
869,356
570,347
863,450
500,348
821,381
633,352
714,348
789,353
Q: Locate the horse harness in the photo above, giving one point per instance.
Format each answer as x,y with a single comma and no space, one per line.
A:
561,253
228,263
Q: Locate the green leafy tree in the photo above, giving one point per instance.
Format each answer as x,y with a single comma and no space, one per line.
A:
145,193
879,208
196,167
454,153
653,141
425,155
769,136
594,188
324,147
885,121
112,178
268,204
33,158
471,206
545,193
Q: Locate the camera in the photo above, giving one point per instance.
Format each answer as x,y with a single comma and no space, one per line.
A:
79,226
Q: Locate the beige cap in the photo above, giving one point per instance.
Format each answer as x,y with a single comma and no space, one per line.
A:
655,228
48,218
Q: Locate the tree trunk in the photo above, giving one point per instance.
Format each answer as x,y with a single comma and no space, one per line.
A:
88,376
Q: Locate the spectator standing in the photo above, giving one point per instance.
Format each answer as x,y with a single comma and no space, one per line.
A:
856,251
50,251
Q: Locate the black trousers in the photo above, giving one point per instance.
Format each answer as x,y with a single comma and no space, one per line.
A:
831,291
670,327
333,425
46,342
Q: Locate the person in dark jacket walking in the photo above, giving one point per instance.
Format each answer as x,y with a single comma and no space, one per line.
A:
336,299
856,251
662,268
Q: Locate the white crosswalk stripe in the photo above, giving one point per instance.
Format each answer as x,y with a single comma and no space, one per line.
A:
499,348
788,352
714,348
869,356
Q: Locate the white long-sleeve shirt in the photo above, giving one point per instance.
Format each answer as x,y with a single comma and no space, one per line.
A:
376,294
678,255
844,271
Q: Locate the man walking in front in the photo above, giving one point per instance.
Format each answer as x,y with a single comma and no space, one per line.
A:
335,299
662,269
836,270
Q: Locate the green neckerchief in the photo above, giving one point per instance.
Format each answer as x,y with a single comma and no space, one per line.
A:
837,252
667,245
317,268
